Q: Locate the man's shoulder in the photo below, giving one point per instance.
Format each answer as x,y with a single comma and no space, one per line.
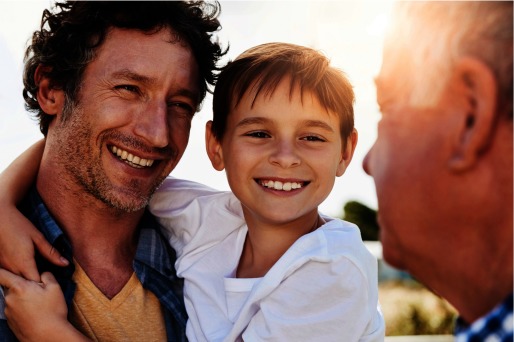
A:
152,247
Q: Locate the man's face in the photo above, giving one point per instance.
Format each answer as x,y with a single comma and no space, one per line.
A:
131,123
408,163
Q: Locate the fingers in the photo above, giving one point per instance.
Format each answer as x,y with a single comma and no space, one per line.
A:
19,238
47,250
8,279
48,279
12,282
29,270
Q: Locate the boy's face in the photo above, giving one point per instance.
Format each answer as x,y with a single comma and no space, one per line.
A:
281,155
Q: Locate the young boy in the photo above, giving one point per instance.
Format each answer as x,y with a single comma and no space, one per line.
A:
282,130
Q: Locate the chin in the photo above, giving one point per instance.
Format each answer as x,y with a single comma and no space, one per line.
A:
392,254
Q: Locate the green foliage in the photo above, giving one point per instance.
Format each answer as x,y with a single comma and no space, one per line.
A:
364,217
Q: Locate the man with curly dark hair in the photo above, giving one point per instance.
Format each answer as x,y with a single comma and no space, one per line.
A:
114,86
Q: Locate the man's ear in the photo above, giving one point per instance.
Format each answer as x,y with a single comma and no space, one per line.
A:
476,84
347,153
50,99
214,150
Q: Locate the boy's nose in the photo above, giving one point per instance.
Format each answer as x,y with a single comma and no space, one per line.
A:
285,155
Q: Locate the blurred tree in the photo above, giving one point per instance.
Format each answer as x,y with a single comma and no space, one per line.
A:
364,217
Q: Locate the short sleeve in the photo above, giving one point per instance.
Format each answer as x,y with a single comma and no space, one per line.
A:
185,209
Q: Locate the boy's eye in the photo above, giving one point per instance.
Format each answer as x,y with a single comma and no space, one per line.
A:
312,138
258,134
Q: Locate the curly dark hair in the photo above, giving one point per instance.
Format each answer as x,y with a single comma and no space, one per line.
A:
71,33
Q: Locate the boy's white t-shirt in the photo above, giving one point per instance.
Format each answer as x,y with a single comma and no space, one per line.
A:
324,288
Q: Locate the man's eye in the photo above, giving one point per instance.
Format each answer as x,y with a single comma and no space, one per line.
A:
182,108
127,87
258,134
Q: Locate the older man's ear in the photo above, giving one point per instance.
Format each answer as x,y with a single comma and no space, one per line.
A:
475,84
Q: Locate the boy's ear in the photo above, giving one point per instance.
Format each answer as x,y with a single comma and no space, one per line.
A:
214,150
50,99
476,85
347,153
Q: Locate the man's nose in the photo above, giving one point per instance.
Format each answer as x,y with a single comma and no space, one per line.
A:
366,162
152,124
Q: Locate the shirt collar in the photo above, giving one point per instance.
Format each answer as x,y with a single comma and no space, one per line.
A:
36,211
501,311
152,249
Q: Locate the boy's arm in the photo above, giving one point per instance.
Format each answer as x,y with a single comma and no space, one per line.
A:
17,234
37,311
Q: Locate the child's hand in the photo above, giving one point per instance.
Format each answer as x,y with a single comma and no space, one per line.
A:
17,242
17,235
36,311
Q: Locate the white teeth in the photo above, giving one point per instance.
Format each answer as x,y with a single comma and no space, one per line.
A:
131,159
287,186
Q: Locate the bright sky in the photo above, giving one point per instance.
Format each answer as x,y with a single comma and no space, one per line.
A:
350,33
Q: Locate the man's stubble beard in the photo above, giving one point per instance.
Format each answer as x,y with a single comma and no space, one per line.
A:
76,151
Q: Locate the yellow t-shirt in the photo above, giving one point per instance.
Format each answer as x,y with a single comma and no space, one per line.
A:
134,314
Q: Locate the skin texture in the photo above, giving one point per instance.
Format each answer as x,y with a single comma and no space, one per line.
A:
280,139
443,175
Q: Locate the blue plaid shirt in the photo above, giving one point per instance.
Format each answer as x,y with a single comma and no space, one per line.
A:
153,265
497,326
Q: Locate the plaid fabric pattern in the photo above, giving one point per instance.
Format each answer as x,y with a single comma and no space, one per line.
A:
153,265
497,326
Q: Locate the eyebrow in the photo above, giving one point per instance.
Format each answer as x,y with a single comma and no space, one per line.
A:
251,121
319,124
127,74
308,123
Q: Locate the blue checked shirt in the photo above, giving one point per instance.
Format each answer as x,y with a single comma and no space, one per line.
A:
153,266
497,326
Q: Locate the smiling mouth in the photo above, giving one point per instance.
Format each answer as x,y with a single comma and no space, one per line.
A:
283,186
130,159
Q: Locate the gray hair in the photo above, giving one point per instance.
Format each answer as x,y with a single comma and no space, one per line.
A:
427,38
